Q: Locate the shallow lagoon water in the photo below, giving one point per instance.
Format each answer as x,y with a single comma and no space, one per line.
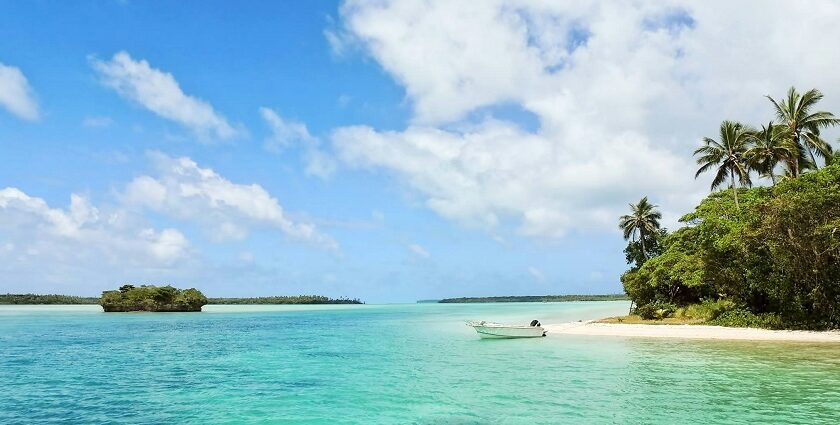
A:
391,364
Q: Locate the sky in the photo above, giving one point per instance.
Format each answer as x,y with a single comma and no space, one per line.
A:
381,150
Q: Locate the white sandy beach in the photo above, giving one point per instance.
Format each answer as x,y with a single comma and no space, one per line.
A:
689,332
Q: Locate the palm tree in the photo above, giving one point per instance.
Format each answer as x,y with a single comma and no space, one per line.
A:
794,112
642,221
770,146
728,155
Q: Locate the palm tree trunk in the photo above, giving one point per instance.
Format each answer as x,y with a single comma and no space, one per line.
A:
772,177
734,192
642,241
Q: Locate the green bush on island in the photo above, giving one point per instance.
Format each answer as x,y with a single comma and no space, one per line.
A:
152,298
760,257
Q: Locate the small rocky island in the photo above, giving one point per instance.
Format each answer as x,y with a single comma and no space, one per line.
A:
152,298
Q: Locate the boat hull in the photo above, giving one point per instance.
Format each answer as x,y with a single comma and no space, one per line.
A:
497,331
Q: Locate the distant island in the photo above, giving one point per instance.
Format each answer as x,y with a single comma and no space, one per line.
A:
537,298
300,299
35,299
152,298
46,299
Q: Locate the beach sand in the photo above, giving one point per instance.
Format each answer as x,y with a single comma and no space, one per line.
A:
688,332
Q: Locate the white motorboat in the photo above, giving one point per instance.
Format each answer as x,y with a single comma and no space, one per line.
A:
499,330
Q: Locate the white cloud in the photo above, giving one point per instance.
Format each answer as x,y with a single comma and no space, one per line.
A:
419,250
286,134
16,95
621,93
497,170
87,247
184,190
83,235
159,92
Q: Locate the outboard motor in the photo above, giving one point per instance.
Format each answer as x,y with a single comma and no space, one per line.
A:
535,322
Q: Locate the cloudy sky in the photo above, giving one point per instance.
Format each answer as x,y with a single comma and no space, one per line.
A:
390,151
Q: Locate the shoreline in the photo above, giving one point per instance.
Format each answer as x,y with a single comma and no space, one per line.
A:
704,332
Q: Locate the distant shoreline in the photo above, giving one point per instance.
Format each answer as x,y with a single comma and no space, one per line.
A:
535,298
56,299
704,332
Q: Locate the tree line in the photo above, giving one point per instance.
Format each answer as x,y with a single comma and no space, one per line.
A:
764,256
299,299
46,299
33,299
534,298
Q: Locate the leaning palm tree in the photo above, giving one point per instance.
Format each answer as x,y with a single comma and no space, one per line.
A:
642,221
770,146
803,125
727,155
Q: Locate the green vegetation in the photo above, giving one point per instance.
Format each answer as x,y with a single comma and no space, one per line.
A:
642,226
635,319
761,257
301,299
536,298
152,298
46,299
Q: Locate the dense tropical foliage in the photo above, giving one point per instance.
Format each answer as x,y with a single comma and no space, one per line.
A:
152,298
766,256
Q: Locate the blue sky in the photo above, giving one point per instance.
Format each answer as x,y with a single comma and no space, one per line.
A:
386,151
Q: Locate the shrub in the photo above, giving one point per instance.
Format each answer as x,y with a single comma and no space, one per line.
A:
656,310
647,311
746,319
707,310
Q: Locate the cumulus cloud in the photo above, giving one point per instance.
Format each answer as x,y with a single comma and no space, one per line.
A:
82,234
497,170
184,190
288,133
95,247
16,95
621,94
159,92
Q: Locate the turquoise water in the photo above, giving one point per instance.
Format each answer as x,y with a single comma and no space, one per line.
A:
391,364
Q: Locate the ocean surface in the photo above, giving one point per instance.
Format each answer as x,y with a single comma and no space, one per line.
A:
391,364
